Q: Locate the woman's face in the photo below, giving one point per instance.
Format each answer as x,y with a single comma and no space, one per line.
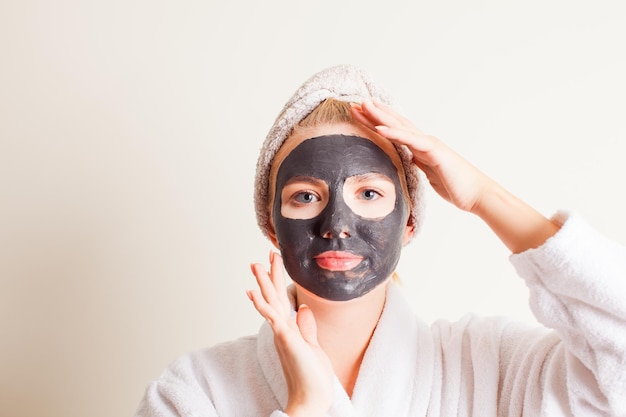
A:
339,214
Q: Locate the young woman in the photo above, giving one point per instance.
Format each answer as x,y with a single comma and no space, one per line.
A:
338,193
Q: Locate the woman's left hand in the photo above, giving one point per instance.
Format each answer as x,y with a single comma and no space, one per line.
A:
518,225
450,175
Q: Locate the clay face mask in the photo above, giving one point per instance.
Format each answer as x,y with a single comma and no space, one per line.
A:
339,216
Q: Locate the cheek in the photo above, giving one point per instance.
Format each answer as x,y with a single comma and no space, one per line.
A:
289,232
373,232
386,231
384,240
293,235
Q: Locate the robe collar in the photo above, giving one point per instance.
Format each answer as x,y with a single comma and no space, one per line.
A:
396,374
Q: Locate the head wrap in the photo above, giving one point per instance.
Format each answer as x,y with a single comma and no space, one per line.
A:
344,83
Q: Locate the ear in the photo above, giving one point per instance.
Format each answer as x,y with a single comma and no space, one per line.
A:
272,235
409,232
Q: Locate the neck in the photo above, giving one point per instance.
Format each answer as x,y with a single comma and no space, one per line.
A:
344,329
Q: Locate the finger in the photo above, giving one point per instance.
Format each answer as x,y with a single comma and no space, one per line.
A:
418,143
355,106
307,325
278,322
269,313
277,276
276,273
389,110
265,284
357,114
381,115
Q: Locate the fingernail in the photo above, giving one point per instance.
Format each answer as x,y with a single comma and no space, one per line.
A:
271,256
381,127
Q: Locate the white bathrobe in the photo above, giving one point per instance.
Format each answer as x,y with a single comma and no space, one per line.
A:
575,366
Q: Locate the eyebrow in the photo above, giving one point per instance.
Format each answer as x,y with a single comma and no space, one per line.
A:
305,179
370,176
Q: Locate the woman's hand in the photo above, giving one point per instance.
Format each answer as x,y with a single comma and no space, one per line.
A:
451,176
308,371
518,225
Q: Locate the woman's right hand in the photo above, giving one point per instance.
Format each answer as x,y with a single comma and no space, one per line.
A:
308,372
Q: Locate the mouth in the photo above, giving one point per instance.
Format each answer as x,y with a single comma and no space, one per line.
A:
337,260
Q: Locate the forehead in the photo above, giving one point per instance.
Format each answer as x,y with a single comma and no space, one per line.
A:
335,157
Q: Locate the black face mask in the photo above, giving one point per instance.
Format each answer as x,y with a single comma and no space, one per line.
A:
333,159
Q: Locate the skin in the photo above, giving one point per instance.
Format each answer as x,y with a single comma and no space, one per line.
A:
339,216
319,342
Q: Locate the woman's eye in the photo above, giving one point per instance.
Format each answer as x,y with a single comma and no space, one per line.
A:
370,195
306,198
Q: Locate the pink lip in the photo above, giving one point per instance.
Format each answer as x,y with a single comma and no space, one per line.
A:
337,260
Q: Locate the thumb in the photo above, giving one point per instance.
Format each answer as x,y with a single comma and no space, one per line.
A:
306,323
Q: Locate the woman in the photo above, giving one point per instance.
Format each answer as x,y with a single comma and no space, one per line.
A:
338,192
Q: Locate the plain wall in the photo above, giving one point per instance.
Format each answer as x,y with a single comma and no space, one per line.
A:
129,132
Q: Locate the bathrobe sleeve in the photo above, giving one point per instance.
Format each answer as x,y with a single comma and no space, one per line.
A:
174,394
171,398
577,283
186,389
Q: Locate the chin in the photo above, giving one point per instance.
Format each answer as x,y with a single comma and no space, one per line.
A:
341,294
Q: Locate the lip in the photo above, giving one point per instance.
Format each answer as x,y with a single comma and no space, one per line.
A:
337,260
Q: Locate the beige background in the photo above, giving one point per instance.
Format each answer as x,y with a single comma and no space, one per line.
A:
128,137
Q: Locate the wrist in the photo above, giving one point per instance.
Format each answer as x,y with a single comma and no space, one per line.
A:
519,226
490,197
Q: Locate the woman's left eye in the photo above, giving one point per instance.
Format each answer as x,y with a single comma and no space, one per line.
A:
370,194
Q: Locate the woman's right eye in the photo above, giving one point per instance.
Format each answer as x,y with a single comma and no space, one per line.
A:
305,197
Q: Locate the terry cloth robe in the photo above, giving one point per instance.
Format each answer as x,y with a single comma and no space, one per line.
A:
487,367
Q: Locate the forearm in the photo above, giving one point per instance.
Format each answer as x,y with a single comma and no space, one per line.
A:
519,226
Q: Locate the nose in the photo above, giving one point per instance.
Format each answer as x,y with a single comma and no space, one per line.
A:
340,233
336,221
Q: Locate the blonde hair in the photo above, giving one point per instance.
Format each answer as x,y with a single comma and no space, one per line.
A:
330,111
